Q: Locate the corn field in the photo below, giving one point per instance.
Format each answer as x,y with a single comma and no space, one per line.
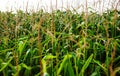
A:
61,43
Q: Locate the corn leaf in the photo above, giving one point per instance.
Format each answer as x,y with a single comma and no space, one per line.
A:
6,64
86,65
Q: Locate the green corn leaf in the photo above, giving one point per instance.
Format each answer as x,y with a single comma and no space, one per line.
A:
25,66
70,69
104,69
44,63
94,74
28,51
44,66
23,38
4,51
6,64
63,63
86,65
21,47
49,57
36,57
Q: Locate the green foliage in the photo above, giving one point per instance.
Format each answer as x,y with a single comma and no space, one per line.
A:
61,43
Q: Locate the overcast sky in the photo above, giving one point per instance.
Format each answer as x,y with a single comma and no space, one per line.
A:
79,5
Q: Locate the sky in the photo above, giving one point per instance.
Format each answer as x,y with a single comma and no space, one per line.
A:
49,5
